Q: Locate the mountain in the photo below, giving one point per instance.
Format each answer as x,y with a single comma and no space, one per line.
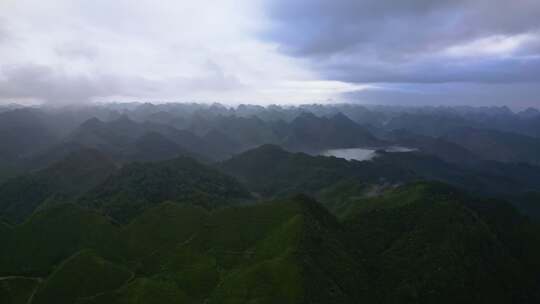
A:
428,242
110,138
155,147
17,290
213,259
308,132
362,115
444,149
497,145
248,132
222,144
419,241
488,178
286,172
138,186
332,179
64,180
51,155
35,247
428,124
528,203
529,113
295,253
9,169
82,275
189,203
127,140
23,132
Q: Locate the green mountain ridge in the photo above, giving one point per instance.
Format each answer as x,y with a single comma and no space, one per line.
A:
432,243
137,186
418,242
64,180
287,173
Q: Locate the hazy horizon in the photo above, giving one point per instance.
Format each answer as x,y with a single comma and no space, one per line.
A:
233,105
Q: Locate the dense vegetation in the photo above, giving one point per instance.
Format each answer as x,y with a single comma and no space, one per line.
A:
77,173
331,179
139,185
205,204
421,242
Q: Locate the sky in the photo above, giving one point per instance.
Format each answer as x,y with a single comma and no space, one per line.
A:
408,52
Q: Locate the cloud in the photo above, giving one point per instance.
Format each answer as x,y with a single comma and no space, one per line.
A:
39,82
438,70
5,36
394,29
521,95
125,50
261,51
42,82
77,50
411,40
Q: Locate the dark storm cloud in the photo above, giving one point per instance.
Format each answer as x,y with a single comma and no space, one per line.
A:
325,27
408,40
310,27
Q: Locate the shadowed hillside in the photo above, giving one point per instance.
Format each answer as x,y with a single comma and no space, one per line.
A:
420,241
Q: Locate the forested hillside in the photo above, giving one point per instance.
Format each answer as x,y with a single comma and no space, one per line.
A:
124,209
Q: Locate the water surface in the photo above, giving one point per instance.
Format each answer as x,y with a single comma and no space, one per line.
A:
362,153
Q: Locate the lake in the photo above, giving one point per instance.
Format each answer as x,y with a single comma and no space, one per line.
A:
361,153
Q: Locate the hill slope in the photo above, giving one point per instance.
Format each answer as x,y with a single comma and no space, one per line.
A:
308,132
286,172
428,242
419,242
497,145
64,180
139,185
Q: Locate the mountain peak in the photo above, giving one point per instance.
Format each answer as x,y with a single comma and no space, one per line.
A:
306,115
529,113
270,148
340,116
123,119
92,123
81,159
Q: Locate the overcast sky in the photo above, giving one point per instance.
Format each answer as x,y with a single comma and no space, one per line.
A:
481,52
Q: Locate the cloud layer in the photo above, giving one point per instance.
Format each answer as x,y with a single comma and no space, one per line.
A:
76,50
421,42
271,51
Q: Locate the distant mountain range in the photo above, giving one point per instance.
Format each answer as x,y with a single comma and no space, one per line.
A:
308,132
